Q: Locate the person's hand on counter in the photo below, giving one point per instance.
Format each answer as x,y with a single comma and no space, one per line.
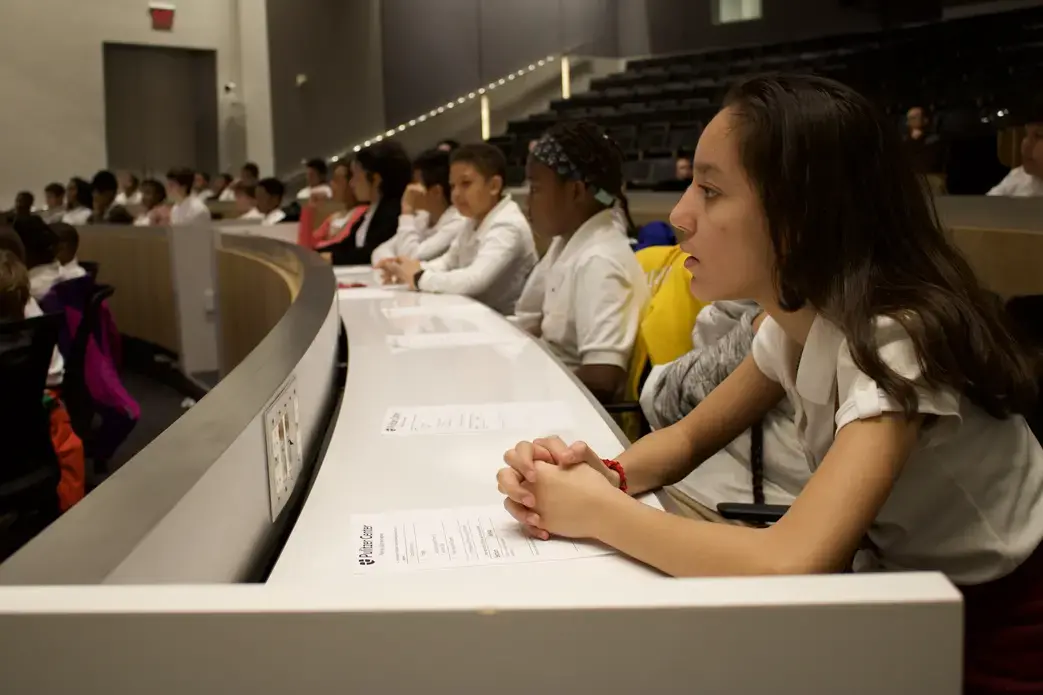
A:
549,491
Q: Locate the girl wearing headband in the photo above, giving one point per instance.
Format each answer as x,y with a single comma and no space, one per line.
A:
586,295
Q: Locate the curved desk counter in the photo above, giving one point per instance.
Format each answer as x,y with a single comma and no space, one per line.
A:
602,624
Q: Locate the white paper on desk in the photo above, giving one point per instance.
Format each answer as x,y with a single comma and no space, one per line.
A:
364,293
393,312
429,341
534,419
409,541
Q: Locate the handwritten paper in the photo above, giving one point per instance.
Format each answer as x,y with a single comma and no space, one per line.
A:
537,417
410,541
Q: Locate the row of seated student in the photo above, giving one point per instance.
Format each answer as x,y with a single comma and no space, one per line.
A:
846,356
45,257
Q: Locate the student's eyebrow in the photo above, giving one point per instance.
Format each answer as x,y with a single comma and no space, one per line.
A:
707,168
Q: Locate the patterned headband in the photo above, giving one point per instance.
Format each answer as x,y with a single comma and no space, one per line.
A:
549,152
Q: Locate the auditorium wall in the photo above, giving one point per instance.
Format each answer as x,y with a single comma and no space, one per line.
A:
672,26
52,124
436,51
336,46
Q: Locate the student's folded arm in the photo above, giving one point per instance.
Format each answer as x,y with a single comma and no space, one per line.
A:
607,309
407,238
439,242
820,533
668,455
499,247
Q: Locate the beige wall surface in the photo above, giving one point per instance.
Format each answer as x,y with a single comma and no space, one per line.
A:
52,125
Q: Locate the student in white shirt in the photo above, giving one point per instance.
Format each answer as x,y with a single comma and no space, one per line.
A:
908,387
201,186
492,257
589,288
153,200
79,202
54,196
317,189
186,209
129,190
429,222
270,193
1027,179
765,464
39,242
223,190
65,249
246,202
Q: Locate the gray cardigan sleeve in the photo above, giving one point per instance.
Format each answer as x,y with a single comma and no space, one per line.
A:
689,379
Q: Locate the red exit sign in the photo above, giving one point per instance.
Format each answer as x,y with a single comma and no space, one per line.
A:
162,15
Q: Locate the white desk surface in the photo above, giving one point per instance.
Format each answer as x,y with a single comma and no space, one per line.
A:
365,471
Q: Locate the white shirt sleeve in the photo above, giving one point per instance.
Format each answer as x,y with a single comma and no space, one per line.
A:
497,248
769,349
607,312
442,238
1007,185
410,229
861,398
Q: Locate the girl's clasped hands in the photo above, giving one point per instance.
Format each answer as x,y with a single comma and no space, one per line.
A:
552,488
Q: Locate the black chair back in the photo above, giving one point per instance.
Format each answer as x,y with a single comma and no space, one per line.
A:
92,269
1027,315
29,470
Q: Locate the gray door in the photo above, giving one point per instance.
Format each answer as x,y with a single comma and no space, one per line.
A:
160,108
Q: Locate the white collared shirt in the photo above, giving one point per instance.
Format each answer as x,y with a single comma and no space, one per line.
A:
322,189
253,214
123,199
56,372
77,216
726,476
969,501
204,195
191,210
593,292
274,217
71,271
43,277
418,238
1019,184
489,262
227,195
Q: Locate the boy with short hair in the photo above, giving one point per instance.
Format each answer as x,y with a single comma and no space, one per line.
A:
246,202
270,193
317,188
54,196
187,208
490,259
65,251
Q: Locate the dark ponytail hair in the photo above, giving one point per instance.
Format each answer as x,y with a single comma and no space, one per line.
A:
389,159
856,236
598,158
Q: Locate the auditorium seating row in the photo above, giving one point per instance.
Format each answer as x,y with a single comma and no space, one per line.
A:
967,72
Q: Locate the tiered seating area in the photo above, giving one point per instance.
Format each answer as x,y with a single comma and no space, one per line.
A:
970,73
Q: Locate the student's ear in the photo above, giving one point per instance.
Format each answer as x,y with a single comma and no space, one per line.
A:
577,191
497,184
375,180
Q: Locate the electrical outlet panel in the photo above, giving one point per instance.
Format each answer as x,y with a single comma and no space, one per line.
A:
283,444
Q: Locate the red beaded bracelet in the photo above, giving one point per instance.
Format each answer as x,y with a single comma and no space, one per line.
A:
615,466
